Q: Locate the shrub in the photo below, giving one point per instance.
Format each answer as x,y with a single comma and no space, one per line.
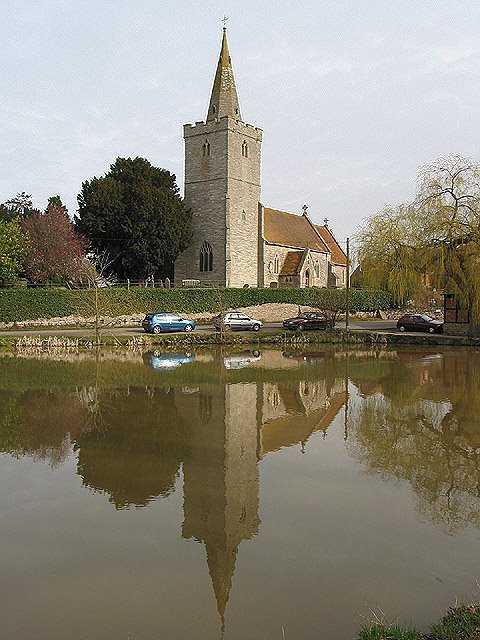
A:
32,304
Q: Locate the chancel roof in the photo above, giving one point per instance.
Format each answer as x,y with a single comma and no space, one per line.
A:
338,256
291,230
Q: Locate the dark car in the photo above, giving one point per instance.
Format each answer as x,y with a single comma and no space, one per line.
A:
419,322
308,321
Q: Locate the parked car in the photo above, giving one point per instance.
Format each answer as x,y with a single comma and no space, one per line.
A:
419,322
236,321
308,321
160,321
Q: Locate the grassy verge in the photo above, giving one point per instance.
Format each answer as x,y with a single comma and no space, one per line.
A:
459,623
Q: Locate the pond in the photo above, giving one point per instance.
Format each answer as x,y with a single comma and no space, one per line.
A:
236,494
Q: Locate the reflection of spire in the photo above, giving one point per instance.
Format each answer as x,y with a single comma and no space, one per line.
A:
221,479
221,566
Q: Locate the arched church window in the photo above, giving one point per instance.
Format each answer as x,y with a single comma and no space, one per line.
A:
244,214
206,257
245,149
206,148
276,264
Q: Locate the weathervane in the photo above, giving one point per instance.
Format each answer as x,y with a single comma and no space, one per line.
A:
224,20
305,209
325,222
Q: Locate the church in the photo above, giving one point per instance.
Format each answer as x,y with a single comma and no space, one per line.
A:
238,242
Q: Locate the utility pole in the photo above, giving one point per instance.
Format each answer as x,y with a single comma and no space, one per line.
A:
348,286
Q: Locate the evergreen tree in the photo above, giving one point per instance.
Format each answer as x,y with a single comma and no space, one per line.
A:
13,250
135,214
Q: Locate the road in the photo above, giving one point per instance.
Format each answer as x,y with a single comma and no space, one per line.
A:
367,325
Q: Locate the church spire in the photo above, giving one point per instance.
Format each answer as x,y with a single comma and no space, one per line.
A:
224,99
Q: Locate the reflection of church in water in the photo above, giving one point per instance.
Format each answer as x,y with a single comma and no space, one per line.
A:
217,434
236,426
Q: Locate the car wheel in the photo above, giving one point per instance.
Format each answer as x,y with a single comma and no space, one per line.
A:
300,327
156,329
401,328
188,328
431,329
256,327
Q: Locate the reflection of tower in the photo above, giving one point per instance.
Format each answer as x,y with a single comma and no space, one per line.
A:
221,478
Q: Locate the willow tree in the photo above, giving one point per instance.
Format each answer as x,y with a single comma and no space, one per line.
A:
448,215
437,237
388,253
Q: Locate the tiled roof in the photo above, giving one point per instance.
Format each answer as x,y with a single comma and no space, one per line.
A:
291,230
338,256
291,263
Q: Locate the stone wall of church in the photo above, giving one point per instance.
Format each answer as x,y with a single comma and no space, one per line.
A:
222,187
341,273
317,263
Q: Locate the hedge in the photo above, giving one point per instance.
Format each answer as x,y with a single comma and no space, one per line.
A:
33,304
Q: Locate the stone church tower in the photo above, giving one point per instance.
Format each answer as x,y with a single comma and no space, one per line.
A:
222,187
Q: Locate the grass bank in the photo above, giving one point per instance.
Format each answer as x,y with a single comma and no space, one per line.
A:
459,623
279,338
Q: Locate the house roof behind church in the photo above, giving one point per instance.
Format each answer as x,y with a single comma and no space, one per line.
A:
291,230
338,256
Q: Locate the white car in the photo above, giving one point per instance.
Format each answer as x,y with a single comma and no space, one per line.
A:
236,321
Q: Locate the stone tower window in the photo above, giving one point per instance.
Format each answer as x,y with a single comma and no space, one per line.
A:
206,257
206,148
245,149
276,264
244,214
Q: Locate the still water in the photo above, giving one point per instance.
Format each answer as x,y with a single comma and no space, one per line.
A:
254,494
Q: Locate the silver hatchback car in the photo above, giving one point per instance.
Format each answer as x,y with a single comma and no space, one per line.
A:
236,321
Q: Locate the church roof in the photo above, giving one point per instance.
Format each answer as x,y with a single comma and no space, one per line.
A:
291,263
291,230
224,99
338,256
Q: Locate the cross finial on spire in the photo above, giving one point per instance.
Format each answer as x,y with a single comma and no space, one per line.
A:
224,20
325,222
305,209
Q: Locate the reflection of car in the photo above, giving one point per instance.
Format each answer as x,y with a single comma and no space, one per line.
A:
241,360
419,322
159,360
158,322
307,321
236,321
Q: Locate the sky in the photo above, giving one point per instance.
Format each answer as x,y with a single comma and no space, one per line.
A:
353,97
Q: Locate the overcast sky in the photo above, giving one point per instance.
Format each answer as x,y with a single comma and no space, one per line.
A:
353,97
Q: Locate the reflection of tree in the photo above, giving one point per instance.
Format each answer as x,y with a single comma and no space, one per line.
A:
432,443
39,424
136,455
